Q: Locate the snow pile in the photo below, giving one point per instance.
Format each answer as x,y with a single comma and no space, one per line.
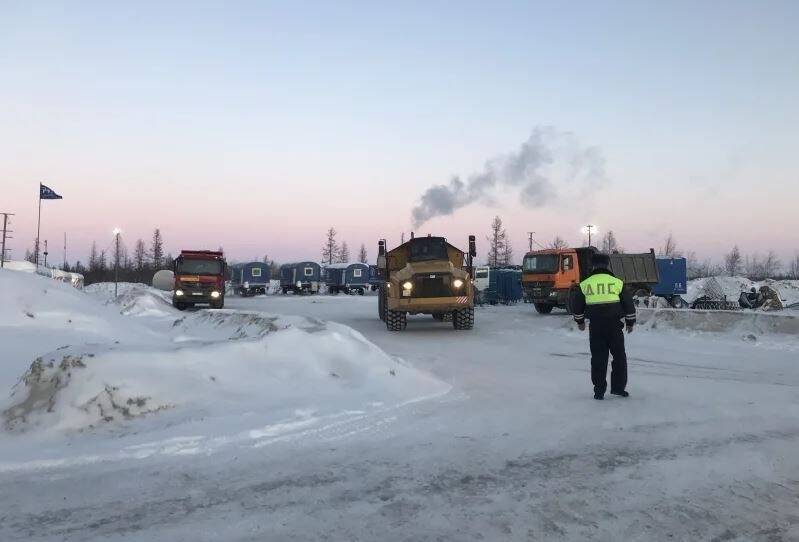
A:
32,301
731,287
108,369
322,369
134,299
743,323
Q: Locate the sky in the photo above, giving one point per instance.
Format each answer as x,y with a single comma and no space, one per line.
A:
256,126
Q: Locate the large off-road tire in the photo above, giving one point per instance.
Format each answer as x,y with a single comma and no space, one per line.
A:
179,305
381,304
543,308
463,318
396,320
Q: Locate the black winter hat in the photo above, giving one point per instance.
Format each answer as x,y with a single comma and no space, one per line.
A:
600,260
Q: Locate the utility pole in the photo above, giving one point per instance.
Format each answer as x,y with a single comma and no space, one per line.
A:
64,263
530,239
6,231
45,252
116,261
589,227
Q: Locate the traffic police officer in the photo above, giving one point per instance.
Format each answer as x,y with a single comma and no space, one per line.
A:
604,301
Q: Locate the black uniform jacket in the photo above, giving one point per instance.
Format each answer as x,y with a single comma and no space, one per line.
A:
625,308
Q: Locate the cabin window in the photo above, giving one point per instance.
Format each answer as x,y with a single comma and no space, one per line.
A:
309,271
481,274
255,271
356,273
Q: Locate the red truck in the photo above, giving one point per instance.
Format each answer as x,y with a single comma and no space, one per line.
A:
199,279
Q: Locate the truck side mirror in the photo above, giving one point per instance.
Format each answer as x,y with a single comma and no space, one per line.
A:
472,247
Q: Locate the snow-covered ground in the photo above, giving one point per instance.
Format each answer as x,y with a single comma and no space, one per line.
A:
313,430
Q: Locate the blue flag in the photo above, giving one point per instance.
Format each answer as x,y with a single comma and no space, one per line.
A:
45,192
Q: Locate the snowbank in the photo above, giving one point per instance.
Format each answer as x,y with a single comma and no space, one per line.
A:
33,302
744,323
321,369
134,299
731,287
104,368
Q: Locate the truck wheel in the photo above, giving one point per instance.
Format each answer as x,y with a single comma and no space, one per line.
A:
438,317
396,320
543,308
179,306
463,319
360,291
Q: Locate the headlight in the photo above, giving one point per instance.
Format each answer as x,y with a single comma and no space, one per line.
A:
388,285
214,294
178,293
457,283
408,285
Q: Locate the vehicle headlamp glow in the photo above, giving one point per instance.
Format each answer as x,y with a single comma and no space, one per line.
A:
214,294
408,285
457,283
178,293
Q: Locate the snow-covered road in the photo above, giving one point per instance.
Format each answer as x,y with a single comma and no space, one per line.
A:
706,448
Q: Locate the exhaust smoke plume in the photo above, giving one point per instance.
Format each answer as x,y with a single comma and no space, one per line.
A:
549,166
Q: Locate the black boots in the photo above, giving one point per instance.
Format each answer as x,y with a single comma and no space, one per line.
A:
599,396
621,393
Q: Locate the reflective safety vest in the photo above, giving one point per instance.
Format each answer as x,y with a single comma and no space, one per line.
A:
601,288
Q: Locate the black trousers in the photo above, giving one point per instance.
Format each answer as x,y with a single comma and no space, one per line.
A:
607,337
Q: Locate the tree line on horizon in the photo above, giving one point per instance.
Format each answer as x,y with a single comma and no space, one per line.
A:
140,264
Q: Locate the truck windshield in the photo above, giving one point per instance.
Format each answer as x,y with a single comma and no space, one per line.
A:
541,263
428,248
198,267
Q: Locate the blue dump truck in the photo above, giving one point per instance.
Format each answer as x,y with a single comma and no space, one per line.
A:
300,277
347,278
503,285
250,278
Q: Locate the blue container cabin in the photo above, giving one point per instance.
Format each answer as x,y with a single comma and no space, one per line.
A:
374,278
347,277
250,278
673,282
504,286
300,277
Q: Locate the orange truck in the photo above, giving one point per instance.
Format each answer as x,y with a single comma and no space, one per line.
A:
199,279
548,276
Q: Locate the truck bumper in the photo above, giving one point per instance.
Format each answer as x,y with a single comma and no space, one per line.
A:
429,305
547,296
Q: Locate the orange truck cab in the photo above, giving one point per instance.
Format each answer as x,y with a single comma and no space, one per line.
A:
548,276
199,279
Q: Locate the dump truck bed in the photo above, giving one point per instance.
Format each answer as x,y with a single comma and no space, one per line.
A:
631,268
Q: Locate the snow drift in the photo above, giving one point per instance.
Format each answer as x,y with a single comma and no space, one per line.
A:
215,366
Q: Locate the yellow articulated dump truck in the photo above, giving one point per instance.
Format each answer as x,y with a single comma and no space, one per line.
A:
426,275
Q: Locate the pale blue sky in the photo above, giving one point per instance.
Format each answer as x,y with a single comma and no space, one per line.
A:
254,125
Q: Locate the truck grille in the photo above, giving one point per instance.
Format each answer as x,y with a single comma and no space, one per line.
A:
432,285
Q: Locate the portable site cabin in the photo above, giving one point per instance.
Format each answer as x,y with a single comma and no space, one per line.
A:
250,278
504,286
300,277
347,278
374,278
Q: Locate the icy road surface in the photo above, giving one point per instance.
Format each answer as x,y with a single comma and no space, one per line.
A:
706,448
